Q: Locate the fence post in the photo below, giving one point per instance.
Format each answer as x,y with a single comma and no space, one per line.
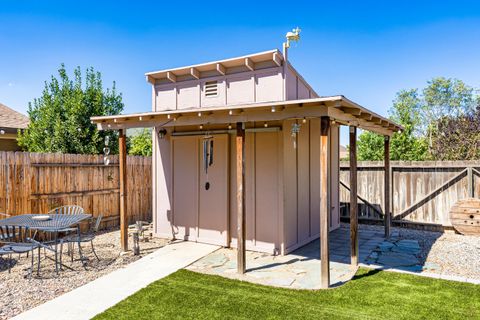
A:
386,195
470,190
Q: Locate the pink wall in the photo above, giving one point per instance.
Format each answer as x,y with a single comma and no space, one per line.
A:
302,183
282,185
235,88
264,192
238,88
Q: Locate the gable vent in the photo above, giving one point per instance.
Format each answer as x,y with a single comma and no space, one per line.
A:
211,89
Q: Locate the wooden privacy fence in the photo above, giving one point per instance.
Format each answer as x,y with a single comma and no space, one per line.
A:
38,182
422,191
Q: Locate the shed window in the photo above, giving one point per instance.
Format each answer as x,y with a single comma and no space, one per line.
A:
211,89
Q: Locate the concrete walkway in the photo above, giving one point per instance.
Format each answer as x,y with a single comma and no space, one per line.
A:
96,296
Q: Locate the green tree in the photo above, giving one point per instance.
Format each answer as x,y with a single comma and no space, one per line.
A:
369,146
60,118
405,145
141,143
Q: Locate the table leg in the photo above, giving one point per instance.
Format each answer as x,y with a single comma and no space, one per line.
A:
56,252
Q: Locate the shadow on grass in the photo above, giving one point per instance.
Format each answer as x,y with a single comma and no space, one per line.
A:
363,274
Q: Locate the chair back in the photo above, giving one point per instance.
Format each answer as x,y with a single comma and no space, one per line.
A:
14,234
97,223
69,209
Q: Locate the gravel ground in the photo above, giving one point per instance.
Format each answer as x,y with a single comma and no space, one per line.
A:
444,253
18,293
448,253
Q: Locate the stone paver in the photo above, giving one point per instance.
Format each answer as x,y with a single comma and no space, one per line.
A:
300,269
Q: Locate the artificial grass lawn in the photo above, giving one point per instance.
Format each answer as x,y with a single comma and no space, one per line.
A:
371,295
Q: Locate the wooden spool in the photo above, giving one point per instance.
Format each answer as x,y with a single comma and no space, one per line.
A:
465,216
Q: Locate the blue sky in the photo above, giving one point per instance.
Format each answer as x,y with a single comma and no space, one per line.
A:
365,50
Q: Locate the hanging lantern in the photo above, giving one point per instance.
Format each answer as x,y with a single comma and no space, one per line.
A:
295,130
207,156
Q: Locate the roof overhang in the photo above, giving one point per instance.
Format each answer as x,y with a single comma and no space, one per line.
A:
338,108
220,66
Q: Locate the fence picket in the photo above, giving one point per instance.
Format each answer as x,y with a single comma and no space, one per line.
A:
35,183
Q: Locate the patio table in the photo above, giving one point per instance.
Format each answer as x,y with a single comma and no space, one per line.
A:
55,224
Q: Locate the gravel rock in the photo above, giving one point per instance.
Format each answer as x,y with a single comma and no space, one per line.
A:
446,253
18,293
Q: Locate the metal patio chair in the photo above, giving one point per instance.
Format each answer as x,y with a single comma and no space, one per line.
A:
16,240
84,237
67,210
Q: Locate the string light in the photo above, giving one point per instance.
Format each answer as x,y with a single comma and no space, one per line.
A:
274,109
229,126
201,126
265,125
304,120
199,114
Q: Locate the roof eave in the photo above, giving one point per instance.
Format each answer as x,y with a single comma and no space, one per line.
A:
339,108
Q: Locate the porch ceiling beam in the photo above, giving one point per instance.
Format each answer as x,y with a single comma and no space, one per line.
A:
317,107
221,69
195,73
171,77
224,117
365,116
352,111
150,79
338,114
249,64
235,112
277,59
377,120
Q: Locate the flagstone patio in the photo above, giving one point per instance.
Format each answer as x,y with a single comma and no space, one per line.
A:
298,270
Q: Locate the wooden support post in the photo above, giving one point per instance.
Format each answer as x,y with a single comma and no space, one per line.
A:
240,145
470,189
387,216
324,203
353,197
122,147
